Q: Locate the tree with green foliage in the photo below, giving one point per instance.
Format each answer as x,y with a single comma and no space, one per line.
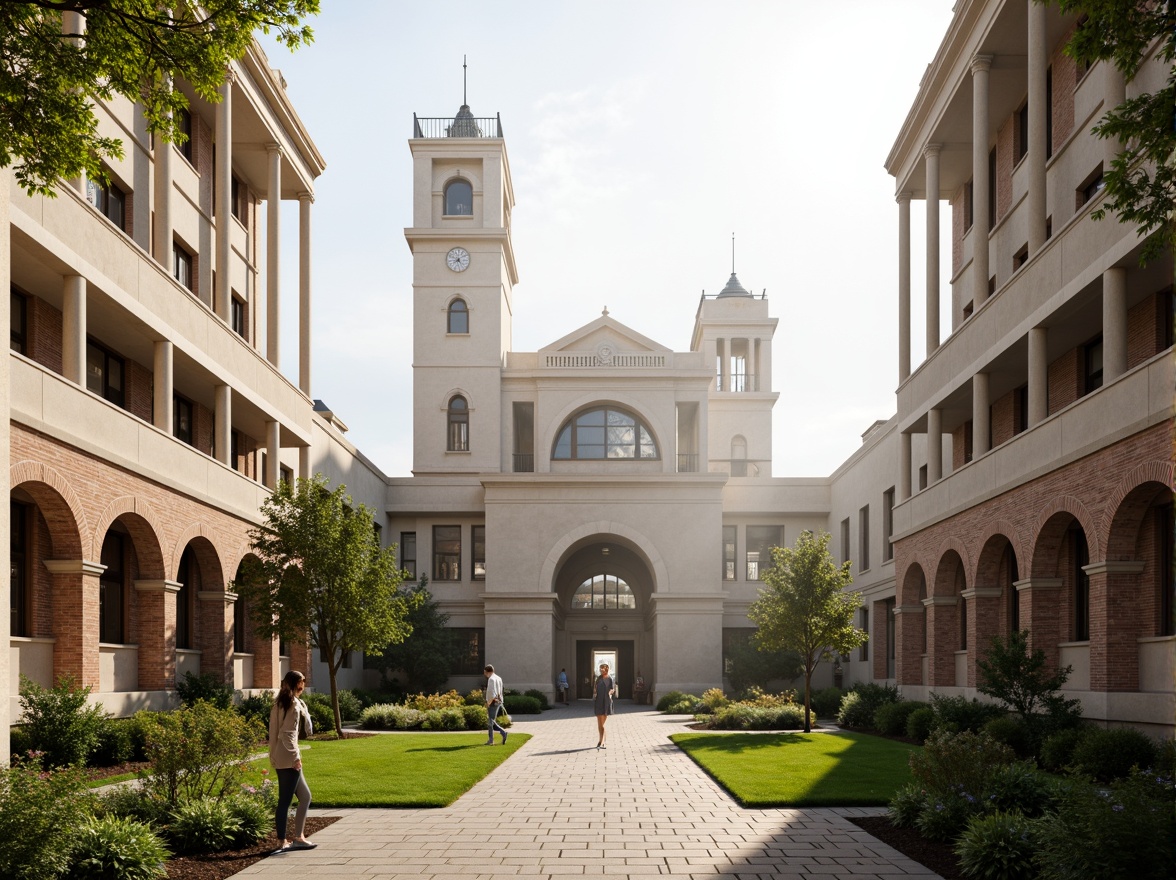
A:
428,655
805,608
60,56
1019,678
749,666
320,574
1141,182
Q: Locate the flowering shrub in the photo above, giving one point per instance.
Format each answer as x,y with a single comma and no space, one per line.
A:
740,716
38,814
424,702
945,814
713,700
1019,787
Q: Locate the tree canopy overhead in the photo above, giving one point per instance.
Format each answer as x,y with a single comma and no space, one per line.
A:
321,575
804,607
1141,182
58,56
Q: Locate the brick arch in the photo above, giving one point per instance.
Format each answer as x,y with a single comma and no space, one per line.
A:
212,575
233,563
1129,503
910,580
941,586
992,547
58,503
145,528
1050,530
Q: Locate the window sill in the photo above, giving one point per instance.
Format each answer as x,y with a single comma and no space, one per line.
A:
457,452
466,334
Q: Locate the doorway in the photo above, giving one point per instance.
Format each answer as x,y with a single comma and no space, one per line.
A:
619,657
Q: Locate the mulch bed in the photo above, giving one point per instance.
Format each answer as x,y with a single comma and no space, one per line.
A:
928,853
215,866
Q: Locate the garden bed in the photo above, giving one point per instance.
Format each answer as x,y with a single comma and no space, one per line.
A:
215,866
938,857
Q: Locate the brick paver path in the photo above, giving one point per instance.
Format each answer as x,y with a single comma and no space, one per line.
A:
562,808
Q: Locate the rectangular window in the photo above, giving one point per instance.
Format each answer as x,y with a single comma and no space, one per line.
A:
760,541
864,538
1081,587
888,524
19,332
922,477
286,474
864,626
237,317
1021,420
104,373
240,625
1092,365
235,198
1021,257
845,540
471,650
110,201
1167,582
891,636
182,266
110,590
1022,132
408,557
184,124
524,438
478,537
970,205
729,553
447,553
18,585
235,450
968,441
182,419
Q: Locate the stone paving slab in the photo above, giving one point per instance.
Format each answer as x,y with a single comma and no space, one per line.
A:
561,808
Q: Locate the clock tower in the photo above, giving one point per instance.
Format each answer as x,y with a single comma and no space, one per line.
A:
463,275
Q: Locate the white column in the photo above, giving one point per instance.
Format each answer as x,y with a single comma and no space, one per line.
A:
223,424
1035,159
304,462
752,344
1038,376
1114,323
904,466
981,415
73,329
273,252
931,158
222,295
305,200
724,364
982,210
904,286
161,242
273,453
163,382
934,446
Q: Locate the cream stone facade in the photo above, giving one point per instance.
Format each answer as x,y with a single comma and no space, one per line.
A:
608,495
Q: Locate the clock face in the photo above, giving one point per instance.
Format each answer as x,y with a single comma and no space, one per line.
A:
458,259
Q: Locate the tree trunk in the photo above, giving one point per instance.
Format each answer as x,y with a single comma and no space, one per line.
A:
332,667
808,687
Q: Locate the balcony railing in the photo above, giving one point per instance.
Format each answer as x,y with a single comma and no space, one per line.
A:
461,126
687,462
524,463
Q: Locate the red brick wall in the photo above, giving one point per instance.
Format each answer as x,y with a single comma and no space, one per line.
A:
957,447
1003,419
139,393
1065,377
1145,330
1065,78
45,323
959,227
1004,169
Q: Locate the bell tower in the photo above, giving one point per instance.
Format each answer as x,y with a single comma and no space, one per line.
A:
463,276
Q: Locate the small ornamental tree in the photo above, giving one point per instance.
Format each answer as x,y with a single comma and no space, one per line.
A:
321,575
428,655
1019,678
805,607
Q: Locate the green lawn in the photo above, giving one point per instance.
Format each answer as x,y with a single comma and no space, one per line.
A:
801,769
395,770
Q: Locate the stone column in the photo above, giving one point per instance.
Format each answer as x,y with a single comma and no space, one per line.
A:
752,344
273,453
909,621
1038,376
163,389
904,286
931,157
305,200
156,634
904,466
222,296
273,253
934,446
223,424
1114,314
304,462
983,604
981,415
73,330
75,619
1035,159
1039,614
1116,624
162,235
724,364
982,211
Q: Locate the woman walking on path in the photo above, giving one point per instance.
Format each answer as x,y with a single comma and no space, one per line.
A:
602,705
285,718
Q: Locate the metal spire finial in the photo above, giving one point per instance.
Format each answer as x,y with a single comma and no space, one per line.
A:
463,81
732,253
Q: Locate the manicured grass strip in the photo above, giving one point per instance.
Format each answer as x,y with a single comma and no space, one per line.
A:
396,770
801,769
111,780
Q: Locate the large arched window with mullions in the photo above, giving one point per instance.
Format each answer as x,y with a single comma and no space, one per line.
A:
604,432
604,592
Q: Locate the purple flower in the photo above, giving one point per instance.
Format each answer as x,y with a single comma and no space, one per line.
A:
1118,808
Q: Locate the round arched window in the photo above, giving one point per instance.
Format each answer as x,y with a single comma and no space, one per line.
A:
459,425
604,592
459,198
459,317
604,433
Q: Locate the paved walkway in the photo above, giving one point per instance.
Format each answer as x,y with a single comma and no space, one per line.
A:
560,807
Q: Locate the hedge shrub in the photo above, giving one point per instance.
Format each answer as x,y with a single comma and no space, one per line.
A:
519,704
859,705
1105,755
920,724
738,716
891,718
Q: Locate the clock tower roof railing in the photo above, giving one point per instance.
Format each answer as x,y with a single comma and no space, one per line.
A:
465,125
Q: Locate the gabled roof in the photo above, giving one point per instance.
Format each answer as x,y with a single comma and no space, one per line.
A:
605,329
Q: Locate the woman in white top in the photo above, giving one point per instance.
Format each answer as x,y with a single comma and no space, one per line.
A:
285,718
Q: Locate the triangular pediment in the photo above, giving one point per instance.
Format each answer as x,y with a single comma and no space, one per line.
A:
605,333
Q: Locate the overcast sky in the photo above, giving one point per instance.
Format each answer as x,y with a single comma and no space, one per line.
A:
641,135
